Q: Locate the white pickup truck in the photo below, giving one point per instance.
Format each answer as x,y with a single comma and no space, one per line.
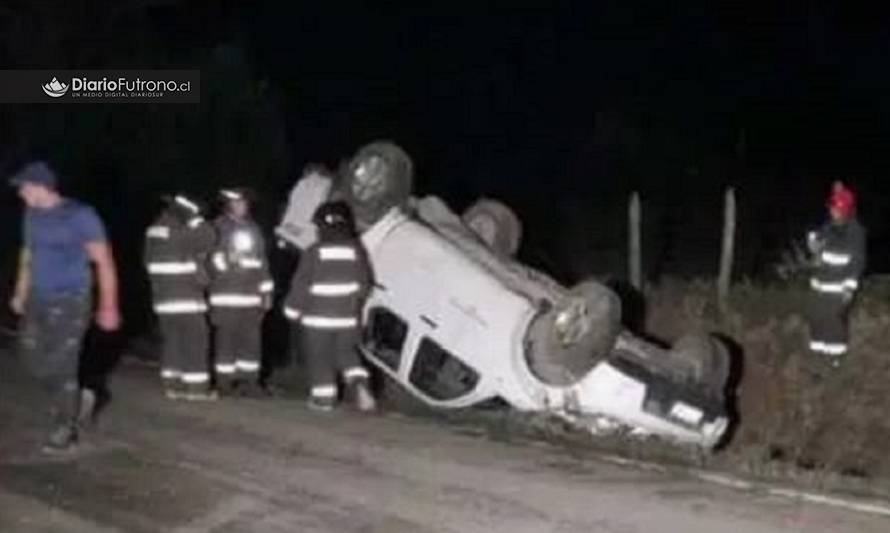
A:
456,321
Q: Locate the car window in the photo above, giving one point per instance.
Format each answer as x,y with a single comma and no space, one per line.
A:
439,374
386,334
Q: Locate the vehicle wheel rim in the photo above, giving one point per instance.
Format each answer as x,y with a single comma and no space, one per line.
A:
572,323
369,180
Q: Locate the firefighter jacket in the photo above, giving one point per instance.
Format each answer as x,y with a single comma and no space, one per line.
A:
240,269
840,258
330,285
176,252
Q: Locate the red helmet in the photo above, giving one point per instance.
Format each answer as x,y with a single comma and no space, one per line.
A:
842,199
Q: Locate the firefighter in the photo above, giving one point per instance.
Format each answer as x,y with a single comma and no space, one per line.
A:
326,297
177,248
839,253
240,294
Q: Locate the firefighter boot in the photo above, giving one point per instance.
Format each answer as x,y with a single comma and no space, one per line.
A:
199,392
228,386
173,389
321,404
250,388
364,400
323,397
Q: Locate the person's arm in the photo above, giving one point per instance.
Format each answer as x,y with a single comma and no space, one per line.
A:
265,284
365,270
856,268
22,283
107,314
98,248
299,285
203,239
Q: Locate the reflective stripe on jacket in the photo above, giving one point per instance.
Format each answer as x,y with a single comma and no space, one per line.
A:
330,286
841,261
241,277
175,253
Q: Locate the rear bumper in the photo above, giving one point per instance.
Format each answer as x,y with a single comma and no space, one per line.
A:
632,396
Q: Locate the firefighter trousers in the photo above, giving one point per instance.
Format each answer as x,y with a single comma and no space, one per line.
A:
49,346
329,354
238,342
185,338
829,321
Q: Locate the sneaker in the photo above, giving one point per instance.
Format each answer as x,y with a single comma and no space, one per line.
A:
61,440
87,407
364,400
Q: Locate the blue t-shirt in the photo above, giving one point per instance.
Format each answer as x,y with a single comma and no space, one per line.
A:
56,240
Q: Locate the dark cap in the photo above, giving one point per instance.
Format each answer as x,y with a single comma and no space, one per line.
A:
37,173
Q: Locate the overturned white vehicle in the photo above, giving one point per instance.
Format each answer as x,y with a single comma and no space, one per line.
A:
456,321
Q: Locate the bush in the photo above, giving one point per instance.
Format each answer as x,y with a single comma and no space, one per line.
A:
794,410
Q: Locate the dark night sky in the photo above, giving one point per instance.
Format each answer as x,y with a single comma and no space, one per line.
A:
506,74
563,110
504,101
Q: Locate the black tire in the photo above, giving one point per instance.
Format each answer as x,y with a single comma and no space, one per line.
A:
496,224
705,360
566,341
389,183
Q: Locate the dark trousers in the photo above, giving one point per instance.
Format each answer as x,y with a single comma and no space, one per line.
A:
329,353
185,348
829,323
238,336
49,346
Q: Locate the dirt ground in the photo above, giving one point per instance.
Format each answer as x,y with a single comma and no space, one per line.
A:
272,465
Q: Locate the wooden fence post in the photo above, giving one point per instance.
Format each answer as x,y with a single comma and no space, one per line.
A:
635,268
726,255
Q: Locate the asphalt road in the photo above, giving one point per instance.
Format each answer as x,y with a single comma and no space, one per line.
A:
274,466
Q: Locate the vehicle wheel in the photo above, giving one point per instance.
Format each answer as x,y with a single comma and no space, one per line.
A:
705,360
565,342
379,177
496,224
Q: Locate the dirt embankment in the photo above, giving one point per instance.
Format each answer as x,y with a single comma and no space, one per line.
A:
795,412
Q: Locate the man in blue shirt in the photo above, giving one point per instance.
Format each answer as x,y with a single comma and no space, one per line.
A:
62,239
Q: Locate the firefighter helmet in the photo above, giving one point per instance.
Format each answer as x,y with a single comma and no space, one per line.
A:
236,201
334,216
231,194
842,199
183,206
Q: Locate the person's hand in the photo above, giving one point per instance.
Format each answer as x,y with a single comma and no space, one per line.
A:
17,305
108,319
814,242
